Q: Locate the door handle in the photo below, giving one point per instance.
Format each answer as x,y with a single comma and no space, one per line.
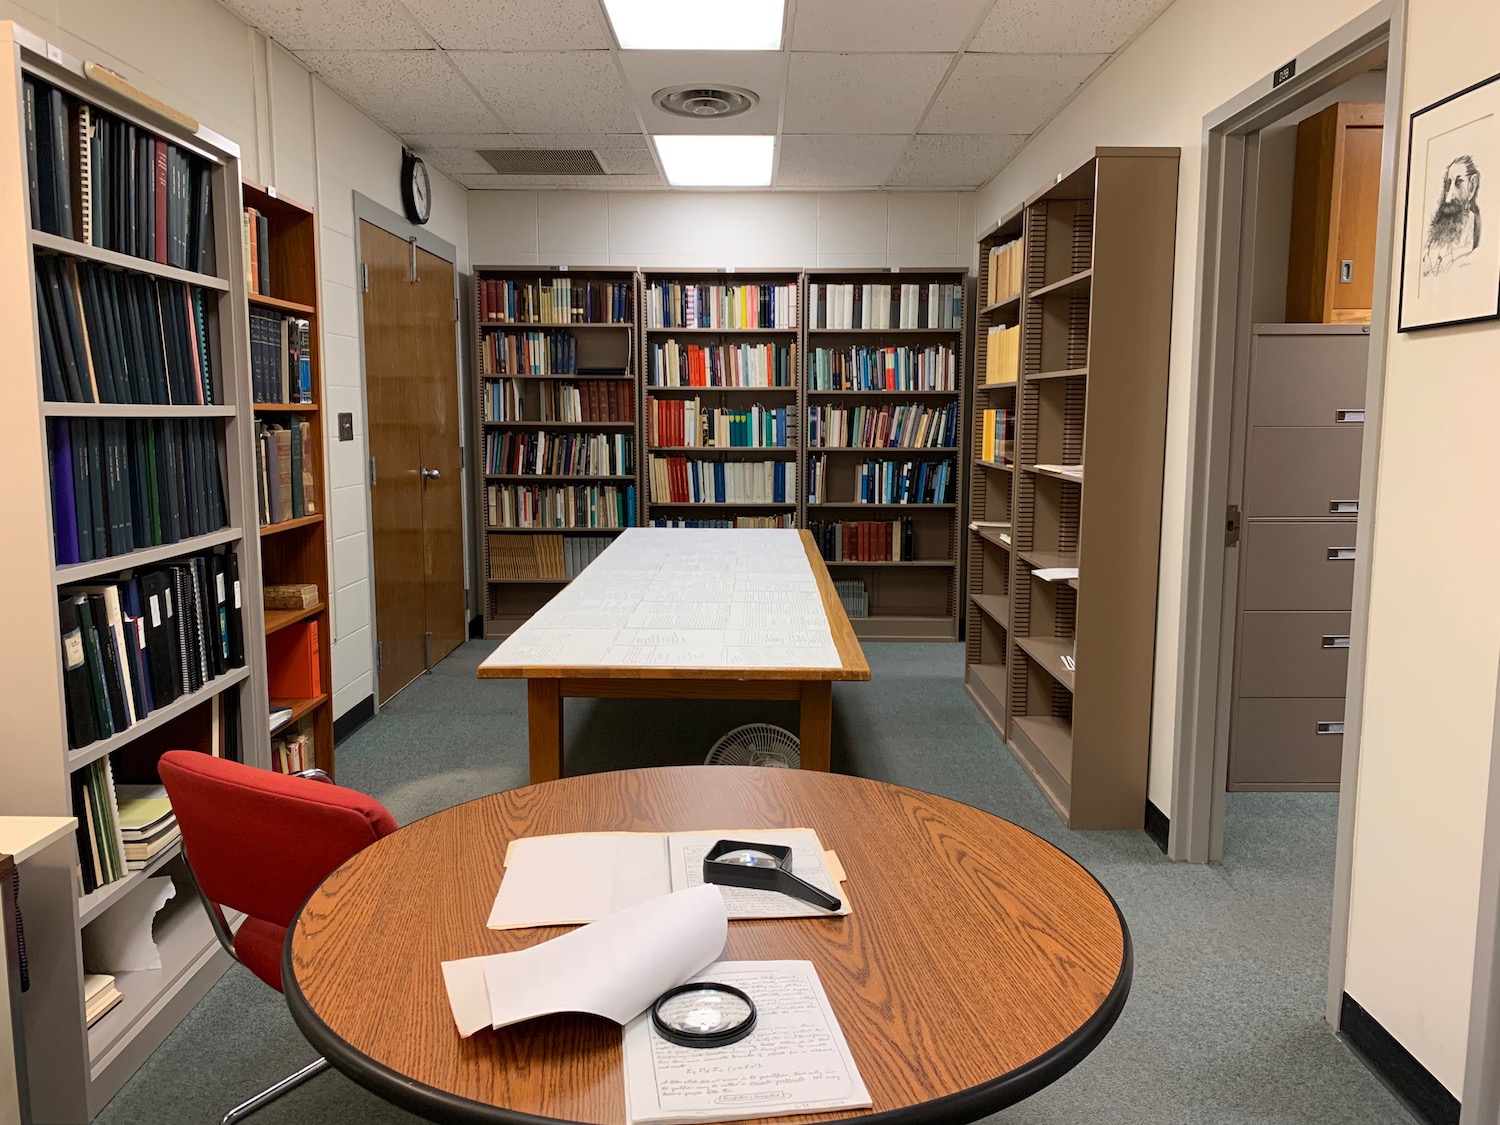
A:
430,474
1343,507
1348,415
1340,554
1335,640
1331,728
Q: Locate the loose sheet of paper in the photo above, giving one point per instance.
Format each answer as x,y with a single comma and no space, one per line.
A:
684,598
687,849
1055,573
614,968
795,1061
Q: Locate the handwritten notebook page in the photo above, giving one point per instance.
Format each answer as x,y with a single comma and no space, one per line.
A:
687,849
795,1061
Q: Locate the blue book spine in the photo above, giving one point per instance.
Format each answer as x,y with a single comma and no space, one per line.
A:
64,516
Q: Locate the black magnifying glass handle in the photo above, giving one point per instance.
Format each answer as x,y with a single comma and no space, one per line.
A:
789,884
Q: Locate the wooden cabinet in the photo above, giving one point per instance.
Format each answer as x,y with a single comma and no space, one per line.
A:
1331,264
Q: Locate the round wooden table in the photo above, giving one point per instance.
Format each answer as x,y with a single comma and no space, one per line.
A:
979,964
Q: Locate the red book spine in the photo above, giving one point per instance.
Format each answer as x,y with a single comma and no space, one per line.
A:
161,201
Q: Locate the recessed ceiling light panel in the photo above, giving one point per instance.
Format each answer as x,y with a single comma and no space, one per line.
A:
715,161
692,25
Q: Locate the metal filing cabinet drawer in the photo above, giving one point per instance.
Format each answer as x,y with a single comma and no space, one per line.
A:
1286,743
1293,654
1307,472
1307,566
1308,380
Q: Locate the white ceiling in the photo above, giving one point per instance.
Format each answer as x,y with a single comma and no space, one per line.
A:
864,93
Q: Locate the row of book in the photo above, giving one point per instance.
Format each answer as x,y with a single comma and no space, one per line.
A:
738,521
852,596
937,306
1005,267
1002,355
678,480
109,335
293,753
866,540
885,482
558,300
907,426
675,304
106,182
119,485
863,368
573,505
687,422
997,436
280,358
285,484
101,843
589,400
136,644
671,364
564,455
528,353
255,238
532,557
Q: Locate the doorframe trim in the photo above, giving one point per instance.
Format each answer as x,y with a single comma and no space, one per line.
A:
367,210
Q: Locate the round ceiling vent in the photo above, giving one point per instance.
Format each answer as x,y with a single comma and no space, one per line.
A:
705,101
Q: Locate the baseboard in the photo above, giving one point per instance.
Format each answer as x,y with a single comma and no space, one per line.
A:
354,718
476,628
1158,827
1395,1066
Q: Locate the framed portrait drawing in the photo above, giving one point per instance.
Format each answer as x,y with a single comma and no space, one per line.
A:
1450,266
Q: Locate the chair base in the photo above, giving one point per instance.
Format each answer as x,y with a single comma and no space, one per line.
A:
271,1093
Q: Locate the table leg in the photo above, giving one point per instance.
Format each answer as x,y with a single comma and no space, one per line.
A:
544,713
816,732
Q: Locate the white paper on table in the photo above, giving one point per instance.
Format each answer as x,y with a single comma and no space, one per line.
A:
119,940
687,849
1055,573
614,967
795,1061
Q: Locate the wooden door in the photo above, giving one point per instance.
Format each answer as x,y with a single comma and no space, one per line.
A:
411,380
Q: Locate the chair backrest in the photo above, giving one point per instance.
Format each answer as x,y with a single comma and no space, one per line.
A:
261,842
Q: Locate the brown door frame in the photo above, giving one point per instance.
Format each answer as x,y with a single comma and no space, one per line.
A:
367,210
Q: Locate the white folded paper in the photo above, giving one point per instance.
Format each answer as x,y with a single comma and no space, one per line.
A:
1055,573
615,967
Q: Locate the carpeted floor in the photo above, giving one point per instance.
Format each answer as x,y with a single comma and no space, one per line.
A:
1224,1022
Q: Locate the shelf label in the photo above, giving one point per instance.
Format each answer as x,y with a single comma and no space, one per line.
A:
54,53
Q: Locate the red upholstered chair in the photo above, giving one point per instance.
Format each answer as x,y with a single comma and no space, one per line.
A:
259,843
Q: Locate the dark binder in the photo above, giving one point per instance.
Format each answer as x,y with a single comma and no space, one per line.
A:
33,177
135,636
201,238
263,252
62,180
93,658
81,729
161,646
54,386
94,478
64,512
235,615
50,269
82,291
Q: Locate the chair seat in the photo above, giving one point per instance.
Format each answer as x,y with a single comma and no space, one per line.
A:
258,944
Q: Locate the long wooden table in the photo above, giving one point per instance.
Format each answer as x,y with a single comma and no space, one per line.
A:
549,684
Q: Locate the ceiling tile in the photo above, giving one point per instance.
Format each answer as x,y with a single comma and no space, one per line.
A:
593,183
837,161
1064,26
860,93
512,25
552,91
954,161
407,91
1007,93
636,141
762,72
884,25
334,25
454,161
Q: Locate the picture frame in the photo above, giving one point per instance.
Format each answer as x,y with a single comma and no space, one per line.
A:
1450,257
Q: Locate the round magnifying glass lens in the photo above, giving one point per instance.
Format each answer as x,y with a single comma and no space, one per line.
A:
703,1011
748,857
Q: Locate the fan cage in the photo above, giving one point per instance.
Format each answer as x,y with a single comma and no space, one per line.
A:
757,744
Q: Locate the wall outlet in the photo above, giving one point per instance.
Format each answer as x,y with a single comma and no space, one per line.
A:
346,427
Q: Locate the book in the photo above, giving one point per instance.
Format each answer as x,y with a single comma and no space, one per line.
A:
293,662
100,995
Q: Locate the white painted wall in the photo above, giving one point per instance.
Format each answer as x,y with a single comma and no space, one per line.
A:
716,229
298,136
1195,57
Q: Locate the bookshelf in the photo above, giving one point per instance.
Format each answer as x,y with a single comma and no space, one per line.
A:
282,286
885,368
556,427
1063,667
992,487
720,377
169,395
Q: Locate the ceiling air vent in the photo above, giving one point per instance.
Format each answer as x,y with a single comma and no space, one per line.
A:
543,161
705,101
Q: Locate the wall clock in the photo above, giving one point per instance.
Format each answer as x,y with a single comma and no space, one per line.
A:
416,188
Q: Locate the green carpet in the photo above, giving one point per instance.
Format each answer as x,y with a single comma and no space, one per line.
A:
1224,1022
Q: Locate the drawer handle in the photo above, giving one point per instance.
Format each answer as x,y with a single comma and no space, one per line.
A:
1331,728
1340,554
1348,415
1343,507
1335,640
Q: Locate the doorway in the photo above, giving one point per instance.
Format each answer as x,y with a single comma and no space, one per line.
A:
413,424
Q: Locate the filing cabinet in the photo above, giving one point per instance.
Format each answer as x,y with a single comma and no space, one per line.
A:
1304,422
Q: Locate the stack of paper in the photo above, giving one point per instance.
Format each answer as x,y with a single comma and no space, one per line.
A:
147,823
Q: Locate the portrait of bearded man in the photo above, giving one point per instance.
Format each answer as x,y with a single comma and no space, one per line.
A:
1454,230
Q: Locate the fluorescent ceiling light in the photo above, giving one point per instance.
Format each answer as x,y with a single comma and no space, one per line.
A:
700,160
696,25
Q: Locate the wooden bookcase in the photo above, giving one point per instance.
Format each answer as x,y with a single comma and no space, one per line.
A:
1095,334
991,493
296,551
915,599
523,567
74,1068
659,511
